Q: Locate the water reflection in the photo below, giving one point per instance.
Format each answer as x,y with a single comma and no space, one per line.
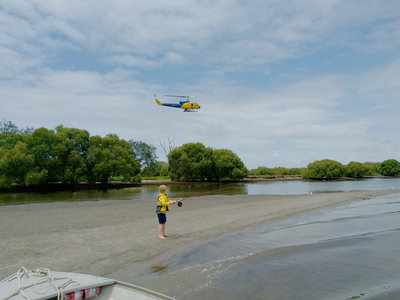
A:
306,187
178,191
187,190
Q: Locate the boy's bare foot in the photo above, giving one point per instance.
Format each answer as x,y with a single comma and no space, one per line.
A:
162,237
166,235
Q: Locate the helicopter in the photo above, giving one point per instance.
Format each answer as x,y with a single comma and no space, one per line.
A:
186,105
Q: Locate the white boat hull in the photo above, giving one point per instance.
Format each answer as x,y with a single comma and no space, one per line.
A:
125,291
43,284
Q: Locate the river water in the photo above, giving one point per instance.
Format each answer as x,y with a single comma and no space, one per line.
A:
347,252
176,191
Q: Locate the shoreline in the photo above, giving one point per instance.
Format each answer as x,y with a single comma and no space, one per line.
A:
58,186
110,237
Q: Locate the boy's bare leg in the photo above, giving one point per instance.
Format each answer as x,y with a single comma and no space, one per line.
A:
161,231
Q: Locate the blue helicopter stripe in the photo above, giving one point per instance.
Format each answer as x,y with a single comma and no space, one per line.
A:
172,105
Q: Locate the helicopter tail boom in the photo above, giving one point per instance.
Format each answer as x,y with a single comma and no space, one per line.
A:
158,102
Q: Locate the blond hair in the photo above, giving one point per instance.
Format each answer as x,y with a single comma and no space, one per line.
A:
163,188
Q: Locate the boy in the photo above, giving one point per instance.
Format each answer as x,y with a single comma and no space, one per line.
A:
162,208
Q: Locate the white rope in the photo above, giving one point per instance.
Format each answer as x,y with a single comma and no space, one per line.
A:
45,276
21,272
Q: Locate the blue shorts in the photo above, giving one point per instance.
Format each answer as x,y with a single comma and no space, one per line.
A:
162,218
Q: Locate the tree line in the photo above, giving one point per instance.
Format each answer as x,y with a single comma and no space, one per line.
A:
35,157
328,169
194,161
66,155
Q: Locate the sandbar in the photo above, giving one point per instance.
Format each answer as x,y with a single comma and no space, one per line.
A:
102,237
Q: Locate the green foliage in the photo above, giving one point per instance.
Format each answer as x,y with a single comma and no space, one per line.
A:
191,161
194,161
156,178
228,165
8,140
390,167
159,168
69,155
319,169
43,145
372,168
163,168
356,170
278,171
35,178
324,169
111,157
144,153
15,163
72,151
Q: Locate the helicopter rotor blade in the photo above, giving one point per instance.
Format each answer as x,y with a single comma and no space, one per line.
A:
178,96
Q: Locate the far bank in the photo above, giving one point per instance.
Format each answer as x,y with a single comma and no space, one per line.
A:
58,186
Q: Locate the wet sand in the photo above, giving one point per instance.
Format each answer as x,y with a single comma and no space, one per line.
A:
103,237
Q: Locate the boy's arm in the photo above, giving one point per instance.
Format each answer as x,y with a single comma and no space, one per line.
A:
165,201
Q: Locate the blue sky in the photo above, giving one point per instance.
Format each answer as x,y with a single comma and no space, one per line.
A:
280,83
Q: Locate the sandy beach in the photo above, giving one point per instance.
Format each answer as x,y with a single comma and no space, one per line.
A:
102,237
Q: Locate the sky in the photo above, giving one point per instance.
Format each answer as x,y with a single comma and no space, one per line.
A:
280,83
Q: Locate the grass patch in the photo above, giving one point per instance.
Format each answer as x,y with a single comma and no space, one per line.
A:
156,177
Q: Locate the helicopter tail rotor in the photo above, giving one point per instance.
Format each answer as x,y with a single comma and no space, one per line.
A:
158,101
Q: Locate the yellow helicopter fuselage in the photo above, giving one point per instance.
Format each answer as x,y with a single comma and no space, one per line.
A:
190,105
186,105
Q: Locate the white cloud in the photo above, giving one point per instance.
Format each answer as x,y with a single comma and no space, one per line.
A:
323,115
222,33
301,121
315,118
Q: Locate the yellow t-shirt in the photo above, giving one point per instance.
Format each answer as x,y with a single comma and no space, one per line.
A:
163,202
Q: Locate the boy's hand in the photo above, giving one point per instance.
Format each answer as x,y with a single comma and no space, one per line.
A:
174,202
